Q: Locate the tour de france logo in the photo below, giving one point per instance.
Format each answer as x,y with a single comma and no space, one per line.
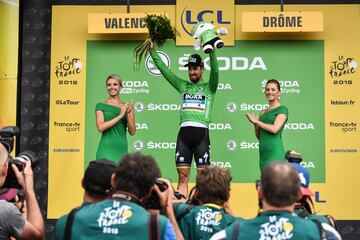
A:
342,66
150,65
112,216
276,229
207,219
68,66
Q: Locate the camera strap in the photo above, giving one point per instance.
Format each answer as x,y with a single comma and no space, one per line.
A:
69,223
236,230
322,231
153,227
184,212
153,220
126,197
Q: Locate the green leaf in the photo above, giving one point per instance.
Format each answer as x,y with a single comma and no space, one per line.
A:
160,30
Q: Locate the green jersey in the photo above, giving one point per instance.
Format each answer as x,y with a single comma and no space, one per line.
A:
196,98
110,219
276,225
201,222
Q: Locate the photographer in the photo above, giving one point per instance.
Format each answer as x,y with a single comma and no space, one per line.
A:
12,223
304,207
123,214
279,188
208,210
97,186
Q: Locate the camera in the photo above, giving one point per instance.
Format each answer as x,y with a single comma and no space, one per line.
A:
153,201
7,135
293,156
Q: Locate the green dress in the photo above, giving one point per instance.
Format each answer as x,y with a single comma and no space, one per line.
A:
270,145
113,144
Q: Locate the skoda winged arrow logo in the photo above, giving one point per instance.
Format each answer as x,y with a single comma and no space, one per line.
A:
150,66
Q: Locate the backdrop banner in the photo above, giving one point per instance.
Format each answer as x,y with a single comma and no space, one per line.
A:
318,75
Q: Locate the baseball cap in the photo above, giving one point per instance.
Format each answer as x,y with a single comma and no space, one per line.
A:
195,60
304,176
97,177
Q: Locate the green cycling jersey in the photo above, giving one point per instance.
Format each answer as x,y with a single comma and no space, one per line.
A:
196,98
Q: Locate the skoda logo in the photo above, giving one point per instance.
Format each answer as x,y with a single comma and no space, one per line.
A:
150,66
231,107
138,145
231,145
139,106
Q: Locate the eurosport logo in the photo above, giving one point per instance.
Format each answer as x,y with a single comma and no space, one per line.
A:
150,65
287,86
139,145
135,87
235,63
189,18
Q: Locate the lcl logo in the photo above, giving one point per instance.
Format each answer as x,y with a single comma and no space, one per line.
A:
189,17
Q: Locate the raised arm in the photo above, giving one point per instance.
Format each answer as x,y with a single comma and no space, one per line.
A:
214,73
34,225
165,198
174,80
130,117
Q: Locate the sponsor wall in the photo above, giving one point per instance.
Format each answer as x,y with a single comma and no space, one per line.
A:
9,21
317,71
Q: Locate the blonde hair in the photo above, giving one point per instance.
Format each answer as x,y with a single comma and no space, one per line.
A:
115,77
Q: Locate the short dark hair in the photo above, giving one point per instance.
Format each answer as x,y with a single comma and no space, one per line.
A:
97,177
213,185
274,81
280,184
136,174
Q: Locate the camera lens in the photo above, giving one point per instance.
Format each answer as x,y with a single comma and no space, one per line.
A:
18,161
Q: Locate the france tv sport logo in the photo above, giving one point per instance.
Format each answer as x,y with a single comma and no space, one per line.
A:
190,17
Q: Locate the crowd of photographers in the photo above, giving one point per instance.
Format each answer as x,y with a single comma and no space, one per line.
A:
131,200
